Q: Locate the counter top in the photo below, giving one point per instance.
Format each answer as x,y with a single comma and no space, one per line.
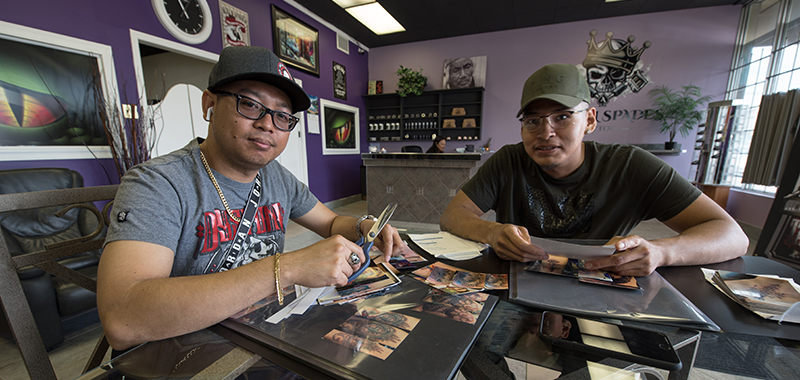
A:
426,156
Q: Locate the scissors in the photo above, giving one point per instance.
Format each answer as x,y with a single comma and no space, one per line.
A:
367,241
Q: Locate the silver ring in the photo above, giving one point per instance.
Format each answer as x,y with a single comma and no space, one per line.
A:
354,259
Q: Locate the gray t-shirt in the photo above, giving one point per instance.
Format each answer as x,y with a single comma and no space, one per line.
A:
171,201
616,188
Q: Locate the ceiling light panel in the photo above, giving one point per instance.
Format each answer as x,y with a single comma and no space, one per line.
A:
376,18
352,3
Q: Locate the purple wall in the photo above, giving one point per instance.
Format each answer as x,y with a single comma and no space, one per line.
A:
689,46
108,22
750,208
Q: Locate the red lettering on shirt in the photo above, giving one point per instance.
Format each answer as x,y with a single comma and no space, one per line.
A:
217,227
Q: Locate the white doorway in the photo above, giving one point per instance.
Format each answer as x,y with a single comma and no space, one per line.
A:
177,119
182,120
294,156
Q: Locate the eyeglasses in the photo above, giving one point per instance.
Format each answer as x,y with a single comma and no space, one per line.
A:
558,120
254,110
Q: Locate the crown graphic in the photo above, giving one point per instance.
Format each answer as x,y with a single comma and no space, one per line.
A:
624,56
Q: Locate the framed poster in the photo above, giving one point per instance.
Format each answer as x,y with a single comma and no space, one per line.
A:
55,88
235,25
295,42
340,128
464,72
339,81
785,244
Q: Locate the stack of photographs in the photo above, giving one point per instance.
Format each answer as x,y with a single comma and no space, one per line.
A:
564,266
770,297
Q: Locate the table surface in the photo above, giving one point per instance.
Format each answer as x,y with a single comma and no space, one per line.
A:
747,345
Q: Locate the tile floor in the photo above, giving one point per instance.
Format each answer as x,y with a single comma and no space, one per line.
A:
69,358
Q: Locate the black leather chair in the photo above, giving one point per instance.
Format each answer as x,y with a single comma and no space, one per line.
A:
411,149
52,300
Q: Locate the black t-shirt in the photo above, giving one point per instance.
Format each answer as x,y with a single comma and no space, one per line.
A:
616,188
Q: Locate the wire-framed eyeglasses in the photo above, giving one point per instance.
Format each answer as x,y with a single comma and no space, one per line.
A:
253,110
558,120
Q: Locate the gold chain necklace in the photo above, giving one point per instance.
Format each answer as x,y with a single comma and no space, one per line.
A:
216,186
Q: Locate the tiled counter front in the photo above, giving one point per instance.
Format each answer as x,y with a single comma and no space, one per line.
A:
421,184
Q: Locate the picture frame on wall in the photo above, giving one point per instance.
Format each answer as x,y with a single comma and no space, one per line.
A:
464,72
49,67
235,25
295,42
339,81
785,243
340,128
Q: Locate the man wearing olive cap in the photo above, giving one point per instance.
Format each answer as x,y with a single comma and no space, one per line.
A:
555,185
190,230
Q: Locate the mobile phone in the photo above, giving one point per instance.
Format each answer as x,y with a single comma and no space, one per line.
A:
597,340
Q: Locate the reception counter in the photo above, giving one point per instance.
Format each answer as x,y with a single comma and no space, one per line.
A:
422,184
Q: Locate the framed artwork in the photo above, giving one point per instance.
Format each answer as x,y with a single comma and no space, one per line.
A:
49,106
295,42
785,244
339,81
464,72
235,25
340,128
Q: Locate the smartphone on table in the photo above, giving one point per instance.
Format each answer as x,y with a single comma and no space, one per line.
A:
584,337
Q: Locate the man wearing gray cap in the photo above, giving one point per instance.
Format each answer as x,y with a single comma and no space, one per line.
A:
185,224
555,185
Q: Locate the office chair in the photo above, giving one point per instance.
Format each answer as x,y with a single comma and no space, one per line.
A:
411,149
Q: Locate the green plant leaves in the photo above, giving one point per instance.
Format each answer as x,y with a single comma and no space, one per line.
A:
411,82
678,111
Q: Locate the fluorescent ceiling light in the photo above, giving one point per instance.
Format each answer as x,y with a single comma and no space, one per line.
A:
376,18
352,3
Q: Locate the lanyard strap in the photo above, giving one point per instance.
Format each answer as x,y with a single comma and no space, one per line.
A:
235,248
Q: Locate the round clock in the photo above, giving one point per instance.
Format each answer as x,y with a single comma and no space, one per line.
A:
187,20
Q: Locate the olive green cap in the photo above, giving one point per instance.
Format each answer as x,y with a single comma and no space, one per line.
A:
558,82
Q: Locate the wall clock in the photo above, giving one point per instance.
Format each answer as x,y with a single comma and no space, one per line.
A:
188,20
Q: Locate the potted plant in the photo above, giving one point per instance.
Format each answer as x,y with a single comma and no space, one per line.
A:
677,111
411,82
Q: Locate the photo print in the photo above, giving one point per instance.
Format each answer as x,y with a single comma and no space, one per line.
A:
464,72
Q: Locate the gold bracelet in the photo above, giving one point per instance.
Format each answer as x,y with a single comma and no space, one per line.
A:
278,278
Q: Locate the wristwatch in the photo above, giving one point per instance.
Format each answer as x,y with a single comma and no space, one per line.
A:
358,223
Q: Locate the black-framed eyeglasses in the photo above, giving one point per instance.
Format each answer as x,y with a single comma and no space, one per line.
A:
253,110
558,120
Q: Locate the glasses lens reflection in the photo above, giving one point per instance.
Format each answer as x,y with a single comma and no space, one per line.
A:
254,110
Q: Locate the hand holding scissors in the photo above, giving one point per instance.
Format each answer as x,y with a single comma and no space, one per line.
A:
367,241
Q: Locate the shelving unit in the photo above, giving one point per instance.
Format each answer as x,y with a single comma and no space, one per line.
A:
391,117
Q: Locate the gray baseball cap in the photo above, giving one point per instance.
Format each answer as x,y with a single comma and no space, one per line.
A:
558,82
259,64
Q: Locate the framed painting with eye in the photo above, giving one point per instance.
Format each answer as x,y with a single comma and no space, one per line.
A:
52,95
340,133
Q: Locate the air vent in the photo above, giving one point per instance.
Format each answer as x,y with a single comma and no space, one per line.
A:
343,43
